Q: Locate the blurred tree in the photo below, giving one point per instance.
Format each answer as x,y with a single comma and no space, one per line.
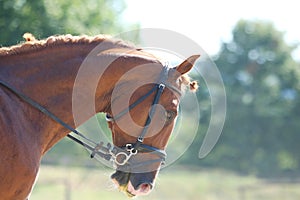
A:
18,17
262,81
44,18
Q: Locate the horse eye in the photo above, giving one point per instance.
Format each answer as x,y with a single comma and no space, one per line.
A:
170,115
108,117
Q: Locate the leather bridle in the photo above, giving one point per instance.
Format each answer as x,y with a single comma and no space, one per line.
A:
121,157
138,146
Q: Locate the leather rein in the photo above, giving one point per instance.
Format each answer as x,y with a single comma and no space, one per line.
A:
109,152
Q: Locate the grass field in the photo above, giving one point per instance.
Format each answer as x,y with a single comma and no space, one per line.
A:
62,183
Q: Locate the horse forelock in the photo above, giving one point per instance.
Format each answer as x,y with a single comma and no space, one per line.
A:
186,82
31,44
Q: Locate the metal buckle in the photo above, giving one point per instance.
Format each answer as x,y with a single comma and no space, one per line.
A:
140,139
162,86
122,157
96,149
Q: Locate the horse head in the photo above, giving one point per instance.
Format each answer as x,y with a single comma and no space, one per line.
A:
141,121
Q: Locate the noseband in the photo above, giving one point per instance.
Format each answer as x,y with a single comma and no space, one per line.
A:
121,157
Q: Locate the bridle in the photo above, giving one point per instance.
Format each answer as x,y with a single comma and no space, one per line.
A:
121,157
138,146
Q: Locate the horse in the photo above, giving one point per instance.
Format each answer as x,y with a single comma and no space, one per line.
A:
46,72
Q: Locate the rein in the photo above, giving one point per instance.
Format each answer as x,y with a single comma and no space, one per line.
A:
119,156
105,151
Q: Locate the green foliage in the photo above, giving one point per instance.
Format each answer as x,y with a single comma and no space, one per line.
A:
262,81
44,18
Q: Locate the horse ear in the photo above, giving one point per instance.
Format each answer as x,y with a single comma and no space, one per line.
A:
187,65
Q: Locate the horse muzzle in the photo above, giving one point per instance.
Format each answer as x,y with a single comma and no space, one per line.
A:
134,184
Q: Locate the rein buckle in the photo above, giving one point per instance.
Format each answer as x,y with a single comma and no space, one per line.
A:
122,157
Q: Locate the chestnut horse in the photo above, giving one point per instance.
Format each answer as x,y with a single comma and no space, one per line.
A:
46,72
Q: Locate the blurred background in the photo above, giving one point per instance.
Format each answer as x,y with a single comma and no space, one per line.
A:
255,45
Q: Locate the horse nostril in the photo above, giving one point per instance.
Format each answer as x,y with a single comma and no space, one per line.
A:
145,187
141,189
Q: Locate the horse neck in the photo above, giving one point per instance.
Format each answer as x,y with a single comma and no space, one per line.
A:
48,77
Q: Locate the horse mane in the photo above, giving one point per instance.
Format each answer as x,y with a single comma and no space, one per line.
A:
31,44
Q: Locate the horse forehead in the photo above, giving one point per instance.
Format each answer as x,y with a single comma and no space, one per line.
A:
170,99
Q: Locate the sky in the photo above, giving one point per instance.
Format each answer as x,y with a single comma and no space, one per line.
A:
210,22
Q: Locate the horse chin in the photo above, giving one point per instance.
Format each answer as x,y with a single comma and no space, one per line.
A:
134,184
